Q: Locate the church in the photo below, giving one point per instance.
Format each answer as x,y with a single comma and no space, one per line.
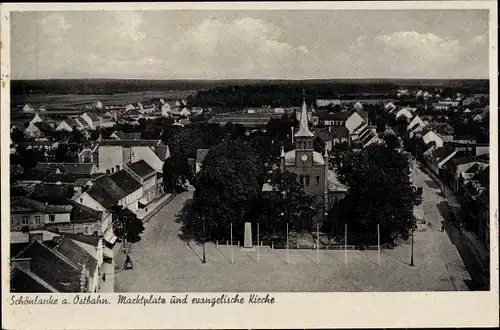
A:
311,167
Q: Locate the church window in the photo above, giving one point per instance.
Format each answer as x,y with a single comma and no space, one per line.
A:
317,179
301,179
307,179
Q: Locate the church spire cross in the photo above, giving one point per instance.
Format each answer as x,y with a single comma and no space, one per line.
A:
303,126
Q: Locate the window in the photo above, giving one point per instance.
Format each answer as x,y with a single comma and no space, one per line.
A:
38,219
301,179
317,179
117,167
112,170
108,171
52,217
307,179
25,219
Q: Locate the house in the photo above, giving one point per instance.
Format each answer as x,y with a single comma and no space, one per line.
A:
19,240
200,157
92,120
440,106
468,101
112,155
120,135
27,213
148,178
107,122
69,168
98,105
416,125
431,136
38,130
332,118
168,107
358,106
332,135
444,130
327,102
199,110
28,108
185,112
69,124
389,107
439,157
117,189
129,107
354,121
404,112
40,269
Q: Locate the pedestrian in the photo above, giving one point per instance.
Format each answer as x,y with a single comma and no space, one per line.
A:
104,277
442,226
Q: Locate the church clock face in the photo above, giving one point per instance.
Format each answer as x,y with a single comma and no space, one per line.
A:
304,158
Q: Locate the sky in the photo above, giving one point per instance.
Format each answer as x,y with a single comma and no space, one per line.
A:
250,44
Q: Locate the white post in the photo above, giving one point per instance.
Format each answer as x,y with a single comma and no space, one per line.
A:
317,244
345,245
287,252
232,251
378,242
258,254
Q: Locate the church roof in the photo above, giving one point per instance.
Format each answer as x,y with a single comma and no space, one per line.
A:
290,158
303,126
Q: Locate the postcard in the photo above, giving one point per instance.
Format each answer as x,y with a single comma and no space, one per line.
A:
249,165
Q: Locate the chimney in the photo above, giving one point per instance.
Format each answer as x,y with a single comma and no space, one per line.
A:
22,263
292,133
329,128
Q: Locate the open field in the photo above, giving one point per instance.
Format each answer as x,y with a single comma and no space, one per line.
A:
65,101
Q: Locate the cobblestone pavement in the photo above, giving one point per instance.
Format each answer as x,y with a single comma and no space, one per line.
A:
165,263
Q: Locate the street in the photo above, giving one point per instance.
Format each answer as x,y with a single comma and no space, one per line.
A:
165,263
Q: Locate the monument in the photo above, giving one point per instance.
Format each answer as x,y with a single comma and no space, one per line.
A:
247,243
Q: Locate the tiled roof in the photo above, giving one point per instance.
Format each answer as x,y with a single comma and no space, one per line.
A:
73,168
201,154
162,152
76,179
142,169
87,239
93,116
23,280
26,204
43,127
105,192
125,181
130,143
76,254
81,213
52,267
60,190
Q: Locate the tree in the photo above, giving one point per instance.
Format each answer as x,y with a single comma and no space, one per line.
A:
175,171
126,225
381,126
228,183
391,141
379,192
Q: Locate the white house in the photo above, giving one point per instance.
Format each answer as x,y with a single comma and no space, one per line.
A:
28,108
404,112
185,112
69,124
353,122
91,119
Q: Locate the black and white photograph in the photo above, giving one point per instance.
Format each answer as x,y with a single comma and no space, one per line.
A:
260,151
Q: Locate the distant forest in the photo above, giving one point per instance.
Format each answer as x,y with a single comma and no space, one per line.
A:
114,86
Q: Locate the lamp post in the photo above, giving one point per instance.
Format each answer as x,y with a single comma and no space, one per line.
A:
412,230
204,239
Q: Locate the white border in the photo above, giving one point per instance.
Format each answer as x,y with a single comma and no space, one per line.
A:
291,310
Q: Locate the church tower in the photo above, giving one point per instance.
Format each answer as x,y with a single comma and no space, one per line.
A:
304,149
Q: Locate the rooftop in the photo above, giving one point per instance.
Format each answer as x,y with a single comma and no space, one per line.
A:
142,169
130,143
52,267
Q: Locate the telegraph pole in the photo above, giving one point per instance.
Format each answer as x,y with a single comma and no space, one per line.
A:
204,239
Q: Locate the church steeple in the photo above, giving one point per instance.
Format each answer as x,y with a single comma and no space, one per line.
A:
303,126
